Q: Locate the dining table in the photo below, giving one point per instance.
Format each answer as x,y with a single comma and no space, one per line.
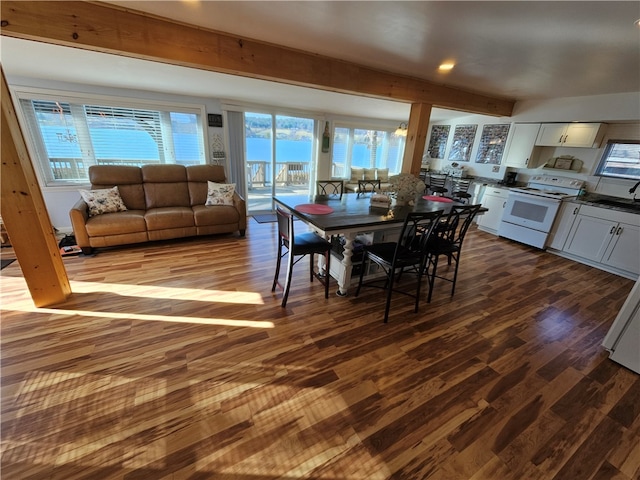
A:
352,215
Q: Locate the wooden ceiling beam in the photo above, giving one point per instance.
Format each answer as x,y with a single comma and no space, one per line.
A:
111,29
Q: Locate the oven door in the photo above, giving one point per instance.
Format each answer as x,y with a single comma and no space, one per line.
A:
531,211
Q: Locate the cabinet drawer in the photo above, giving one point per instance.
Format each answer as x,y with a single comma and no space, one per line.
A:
610,214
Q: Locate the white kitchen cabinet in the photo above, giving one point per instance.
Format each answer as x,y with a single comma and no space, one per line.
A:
495,199
586,135
562,224
605,236
523,139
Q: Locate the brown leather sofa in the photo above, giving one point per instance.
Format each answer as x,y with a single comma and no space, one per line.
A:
163,202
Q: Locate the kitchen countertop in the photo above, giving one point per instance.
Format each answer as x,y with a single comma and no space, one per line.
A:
596,200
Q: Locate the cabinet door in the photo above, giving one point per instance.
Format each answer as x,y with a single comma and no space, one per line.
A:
581,134
551,134
495,203
624,250
562,224
523,140
589,237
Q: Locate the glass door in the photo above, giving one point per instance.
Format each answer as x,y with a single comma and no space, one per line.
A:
280,153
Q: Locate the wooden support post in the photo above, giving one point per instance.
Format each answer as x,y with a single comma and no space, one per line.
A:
25,215
416,137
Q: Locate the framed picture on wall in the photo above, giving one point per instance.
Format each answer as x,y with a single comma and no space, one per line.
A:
492,142
438,140
463,138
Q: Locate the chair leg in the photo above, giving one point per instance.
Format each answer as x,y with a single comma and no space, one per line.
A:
311,259
287,284
389,285
362,266
455,275
327,276
275,278
433,276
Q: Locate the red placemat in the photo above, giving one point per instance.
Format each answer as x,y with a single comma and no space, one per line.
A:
314,208
433,198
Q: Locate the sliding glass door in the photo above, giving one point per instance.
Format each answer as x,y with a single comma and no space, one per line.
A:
280,157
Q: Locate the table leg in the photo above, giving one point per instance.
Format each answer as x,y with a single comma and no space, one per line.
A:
346,262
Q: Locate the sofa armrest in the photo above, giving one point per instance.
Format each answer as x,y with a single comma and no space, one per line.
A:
79,215
241,207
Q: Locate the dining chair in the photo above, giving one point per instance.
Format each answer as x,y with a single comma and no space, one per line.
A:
437,184
409,252
330,188
299,246
447,240
459,189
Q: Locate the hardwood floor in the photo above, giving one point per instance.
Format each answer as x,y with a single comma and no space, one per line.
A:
174,360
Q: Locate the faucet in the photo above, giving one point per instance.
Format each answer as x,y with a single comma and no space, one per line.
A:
633,190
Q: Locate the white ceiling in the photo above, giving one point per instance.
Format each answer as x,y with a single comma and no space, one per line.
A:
513,49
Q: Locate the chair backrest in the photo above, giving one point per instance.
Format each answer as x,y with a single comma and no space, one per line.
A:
437,180
456,224
460,185
285,226
330,188
416,231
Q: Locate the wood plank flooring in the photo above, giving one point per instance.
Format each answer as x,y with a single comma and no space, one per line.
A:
174,360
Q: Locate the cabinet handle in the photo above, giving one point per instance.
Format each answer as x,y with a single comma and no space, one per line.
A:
619,231
565,139
504,204
560,139
613,229
575,210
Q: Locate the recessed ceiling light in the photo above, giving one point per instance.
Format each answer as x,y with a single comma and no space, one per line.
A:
446,66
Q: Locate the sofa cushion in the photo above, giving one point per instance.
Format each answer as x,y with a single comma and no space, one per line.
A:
383,175
104,200
220,215
220,194
369,174
165,186
169,217
127,178
131,221
198,176
356,174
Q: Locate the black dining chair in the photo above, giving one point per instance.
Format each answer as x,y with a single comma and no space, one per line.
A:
447,240
409,252
330,188
460,189
437,184
308,243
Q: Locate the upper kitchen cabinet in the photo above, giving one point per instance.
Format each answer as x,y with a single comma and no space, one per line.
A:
587,135
520,149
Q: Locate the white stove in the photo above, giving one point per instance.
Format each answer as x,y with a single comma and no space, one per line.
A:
530,211
551,187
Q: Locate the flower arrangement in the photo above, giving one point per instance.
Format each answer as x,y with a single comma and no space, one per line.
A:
406,187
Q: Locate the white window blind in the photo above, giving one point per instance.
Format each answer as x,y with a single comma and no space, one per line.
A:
68,137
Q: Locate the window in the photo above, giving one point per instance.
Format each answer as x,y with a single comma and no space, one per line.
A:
621,159
367,148
69,135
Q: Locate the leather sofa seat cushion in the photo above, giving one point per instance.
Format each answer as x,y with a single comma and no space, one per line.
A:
128,179
169,217
119,223
215,215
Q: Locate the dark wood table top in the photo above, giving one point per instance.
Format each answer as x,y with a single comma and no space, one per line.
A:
353,212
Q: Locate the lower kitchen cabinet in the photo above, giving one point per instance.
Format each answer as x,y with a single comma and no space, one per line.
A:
607,237
495,199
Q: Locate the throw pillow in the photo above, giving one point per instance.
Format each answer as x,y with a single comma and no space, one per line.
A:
356,174
369,173
220,193
383,175
101,201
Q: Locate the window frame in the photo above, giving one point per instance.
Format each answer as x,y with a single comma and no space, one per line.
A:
604,160
352,126
37,149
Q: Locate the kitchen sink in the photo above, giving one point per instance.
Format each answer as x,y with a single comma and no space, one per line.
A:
630,204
